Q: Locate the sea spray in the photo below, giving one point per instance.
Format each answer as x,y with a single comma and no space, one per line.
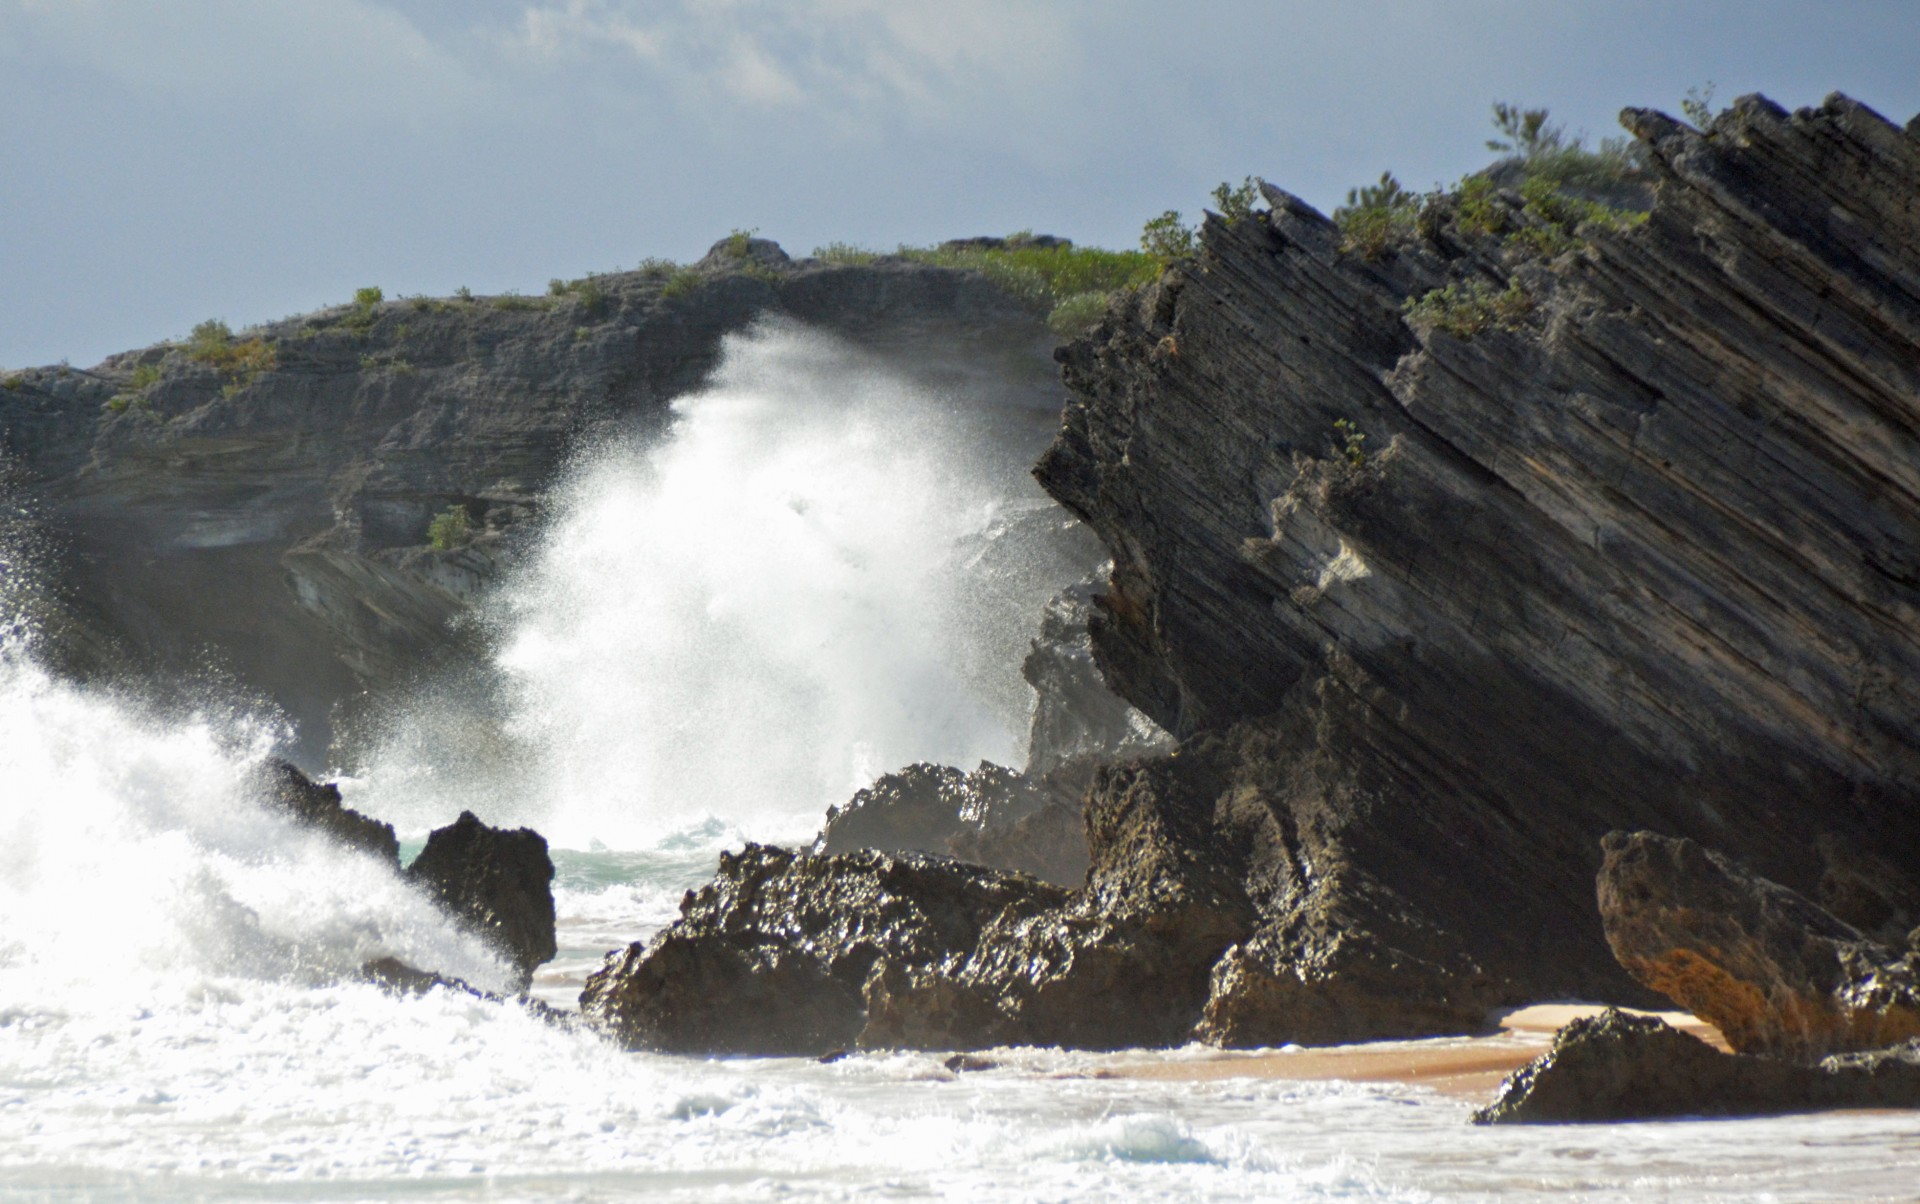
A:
823,571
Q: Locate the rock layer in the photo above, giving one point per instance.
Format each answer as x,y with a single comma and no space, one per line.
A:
1773,971
1643,553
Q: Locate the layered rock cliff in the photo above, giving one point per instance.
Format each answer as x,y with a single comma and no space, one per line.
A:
1445,553
1640,546
264,507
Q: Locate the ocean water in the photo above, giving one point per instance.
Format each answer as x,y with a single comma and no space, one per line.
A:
178,1017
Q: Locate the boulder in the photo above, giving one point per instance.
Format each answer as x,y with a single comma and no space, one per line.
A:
318,806
495,882
1772,970
1617,1066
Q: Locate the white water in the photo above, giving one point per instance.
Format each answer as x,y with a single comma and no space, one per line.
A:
824,571
177,1019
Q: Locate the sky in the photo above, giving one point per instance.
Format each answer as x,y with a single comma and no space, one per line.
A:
167,161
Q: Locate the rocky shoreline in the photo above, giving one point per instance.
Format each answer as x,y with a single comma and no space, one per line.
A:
1416,628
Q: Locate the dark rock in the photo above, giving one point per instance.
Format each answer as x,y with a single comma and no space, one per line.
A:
1867,891
498,883
962,1063
318,806
1616,1066
1079,724
1013,242
1646,555
774,955
1775,973
398,978
992,816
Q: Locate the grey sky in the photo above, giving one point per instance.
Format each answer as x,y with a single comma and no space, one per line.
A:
167,161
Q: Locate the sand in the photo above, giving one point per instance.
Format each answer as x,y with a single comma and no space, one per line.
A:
1467,1066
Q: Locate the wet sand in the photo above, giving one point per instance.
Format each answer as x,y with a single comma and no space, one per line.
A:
1466,1066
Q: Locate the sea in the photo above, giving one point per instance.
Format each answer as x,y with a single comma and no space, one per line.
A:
814,576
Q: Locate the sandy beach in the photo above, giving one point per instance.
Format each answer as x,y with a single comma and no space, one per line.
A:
1465,1066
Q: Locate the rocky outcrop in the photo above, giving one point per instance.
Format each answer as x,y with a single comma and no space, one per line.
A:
1638,547
496,882
1616,1066
777,954
994,816
1773,971
315,805
295,471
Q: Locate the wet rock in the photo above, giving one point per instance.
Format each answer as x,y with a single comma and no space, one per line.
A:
318,806
398,978
773,956
1079,724
498,883
1617,1066
1772,970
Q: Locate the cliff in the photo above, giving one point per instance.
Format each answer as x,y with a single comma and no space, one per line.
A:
1632,540
261,502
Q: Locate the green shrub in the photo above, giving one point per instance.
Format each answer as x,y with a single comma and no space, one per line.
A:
451,528
240,361
738,243
1167,238
656,267
1236,203
1470,308
367,298
463,293
1351,440
512,302
1077,312
13,382
144,377
840,252
682,282
1044,276
1375,217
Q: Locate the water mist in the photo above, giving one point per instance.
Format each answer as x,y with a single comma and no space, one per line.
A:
823,570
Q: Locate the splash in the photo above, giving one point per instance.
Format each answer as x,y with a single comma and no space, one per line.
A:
824,570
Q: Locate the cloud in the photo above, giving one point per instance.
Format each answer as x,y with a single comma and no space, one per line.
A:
846,56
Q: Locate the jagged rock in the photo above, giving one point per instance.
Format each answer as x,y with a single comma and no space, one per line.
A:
993,816
497,882
773,956
318,806
1079,724
398,978
1643,553
1775,973
1617,1066
302,495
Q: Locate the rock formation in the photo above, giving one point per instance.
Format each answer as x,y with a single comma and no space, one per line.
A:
1446,556
1775,973
1615,1066
496,882
315,805
777,953
1639,548
295,471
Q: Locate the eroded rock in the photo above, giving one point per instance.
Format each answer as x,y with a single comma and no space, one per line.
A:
498,883
318,806
1772,970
